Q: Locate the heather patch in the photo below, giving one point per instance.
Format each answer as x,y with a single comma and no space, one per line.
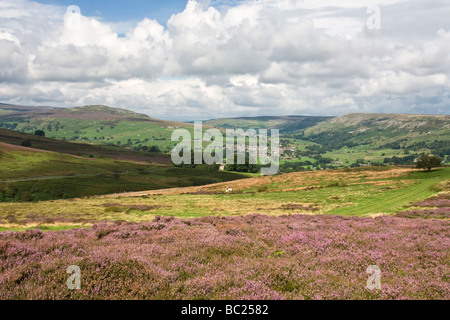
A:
440,203
435,207
439,213
245,257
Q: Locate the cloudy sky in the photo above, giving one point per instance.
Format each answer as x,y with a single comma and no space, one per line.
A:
185,60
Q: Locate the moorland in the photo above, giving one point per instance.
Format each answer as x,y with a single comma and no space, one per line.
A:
99,191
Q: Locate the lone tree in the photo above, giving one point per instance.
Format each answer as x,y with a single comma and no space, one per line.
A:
40,133
428,161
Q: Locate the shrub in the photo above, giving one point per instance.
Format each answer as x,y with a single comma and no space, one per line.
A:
154,149
26,196
40,133
10,191
26,143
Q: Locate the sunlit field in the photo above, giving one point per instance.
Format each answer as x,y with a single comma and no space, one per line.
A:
281,237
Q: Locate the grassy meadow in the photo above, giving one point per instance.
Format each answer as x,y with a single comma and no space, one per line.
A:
347,192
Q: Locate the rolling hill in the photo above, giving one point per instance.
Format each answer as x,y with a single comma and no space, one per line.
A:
380,129
81,149
54,169
286,124
92,124
183,234
353,139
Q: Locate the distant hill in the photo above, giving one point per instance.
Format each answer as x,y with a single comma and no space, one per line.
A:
313,142
310,143
92,124
89,112
286,124
380,130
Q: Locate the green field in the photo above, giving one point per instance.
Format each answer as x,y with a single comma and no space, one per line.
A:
92,124
350,192
396,199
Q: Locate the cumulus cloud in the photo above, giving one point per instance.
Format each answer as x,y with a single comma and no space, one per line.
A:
232,58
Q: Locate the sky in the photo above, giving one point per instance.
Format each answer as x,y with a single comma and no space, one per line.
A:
198,60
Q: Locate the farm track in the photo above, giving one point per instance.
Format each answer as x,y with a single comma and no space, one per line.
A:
390,204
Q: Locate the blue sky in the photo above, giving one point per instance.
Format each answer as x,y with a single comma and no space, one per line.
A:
129,10
228,58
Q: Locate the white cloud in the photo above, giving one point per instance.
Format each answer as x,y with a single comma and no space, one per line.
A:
218,59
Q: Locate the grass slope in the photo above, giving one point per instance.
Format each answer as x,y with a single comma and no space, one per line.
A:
380,129
92,124
30,174
81,149
286,124
396,199
348,192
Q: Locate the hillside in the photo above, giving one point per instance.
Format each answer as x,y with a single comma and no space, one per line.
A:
92,124
81,149
380,129
286,124
310,143
30,174
94,112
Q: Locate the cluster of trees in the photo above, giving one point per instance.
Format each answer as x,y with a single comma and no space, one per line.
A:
149,149
56,126
440,148
192,165
437,147
296,166
247,167
10,193
9,126
408,160
313,151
